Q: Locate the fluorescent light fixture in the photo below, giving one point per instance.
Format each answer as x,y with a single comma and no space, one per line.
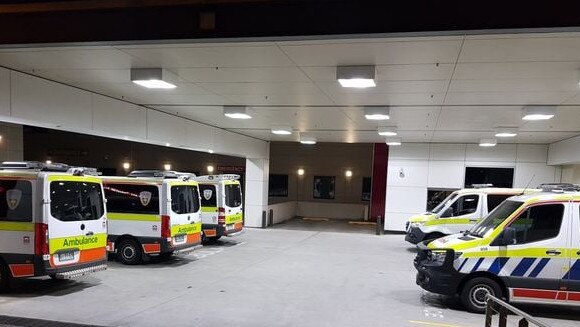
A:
307,140
282,130
356,76
394,141
167,144
506,132
167,167
387,131
237,112
210,151
487,142
348,173
151,78
210,169
300,172
126,165
377,113
538,112
48,162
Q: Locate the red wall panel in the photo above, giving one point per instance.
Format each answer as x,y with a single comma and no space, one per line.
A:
379,180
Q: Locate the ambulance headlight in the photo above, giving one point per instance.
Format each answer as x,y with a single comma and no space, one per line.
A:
416,224
437,257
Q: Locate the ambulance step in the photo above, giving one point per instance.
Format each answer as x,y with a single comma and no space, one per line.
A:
80,272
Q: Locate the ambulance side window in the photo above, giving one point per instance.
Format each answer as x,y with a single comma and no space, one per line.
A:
464,205
208,196
538,223
493,200
15,200
127,198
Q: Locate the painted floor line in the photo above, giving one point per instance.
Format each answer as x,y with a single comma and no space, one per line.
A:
426,323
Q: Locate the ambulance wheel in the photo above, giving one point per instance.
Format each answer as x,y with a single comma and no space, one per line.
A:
129,252
475,291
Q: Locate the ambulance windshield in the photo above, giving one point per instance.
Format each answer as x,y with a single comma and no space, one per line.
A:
444,203
495,218
75,201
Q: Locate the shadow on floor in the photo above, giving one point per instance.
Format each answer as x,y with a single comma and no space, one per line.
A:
327,225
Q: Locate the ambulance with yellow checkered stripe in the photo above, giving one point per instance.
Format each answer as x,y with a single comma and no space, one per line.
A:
526,250
221,206
52,221
152,213
458,212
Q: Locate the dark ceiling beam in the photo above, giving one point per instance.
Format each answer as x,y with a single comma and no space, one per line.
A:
214,19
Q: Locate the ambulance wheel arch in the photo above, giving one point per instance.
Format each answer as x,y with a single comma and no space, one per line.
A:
4,275
474,289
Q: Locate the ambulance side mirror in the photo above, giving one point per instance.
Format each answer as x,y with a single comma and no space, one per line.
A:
508,236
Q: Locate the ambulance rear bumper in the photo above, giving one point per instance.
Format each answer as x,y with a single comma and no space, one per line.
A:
76,270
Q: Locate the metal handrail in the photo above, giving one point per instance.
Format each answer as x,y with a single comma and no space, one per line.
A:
504,310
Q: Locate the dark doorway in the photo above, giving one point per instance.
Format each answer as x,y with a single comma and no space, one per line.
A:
496,177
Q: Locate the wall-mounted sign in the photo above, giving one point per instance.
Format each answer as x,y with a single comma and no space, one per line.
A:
231,169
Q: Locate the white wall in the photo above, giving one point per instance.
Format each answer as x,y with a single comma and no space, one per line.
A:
283,211
565,152
413,168
11,143
571,174
26,99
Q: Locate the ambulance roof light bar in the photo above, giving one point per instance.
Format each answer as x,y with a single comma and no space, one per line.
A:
481,185
51,167
217,178
559,187
154,173
186,176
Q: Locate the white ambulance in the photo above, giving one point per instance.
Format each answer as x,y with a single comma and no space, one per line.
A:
526,250
52,221
152,212
221,206
458,212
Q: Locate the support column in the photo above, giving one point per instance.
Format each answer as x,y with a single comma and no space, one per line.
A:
379,181
256,192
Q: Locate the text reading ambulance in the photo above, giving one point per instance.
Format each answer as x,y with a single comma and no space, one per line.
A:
52,221
458,212
526,250
221,206
152,213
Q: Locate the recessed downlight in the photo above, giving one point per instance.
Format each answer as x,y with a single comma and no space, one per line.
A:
506,132
151,78
394,141
237,112
307,139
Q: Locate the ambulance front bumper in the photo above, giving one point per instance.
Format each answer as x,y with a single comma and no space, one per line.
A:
435,277
414,235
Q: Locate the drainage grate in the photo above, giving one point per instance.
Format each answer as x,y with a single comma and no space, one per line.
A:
27,322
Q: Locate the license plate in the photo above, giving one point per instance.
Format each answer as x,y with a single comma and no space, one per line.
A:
66,256
179,238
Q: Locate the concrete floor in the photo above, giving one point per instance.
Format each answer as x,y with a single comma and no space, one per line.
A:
274,277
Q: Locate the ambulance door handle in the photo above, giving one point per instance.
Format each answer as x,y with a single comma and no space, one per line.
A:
89,233
553,252
578,253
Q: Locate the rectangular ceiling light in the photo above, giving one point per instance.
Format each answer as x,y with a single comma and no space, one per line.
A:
377,113
394,141
281,130
387,131
307,139
506,132
356,76
487,142
538,112
237,112
151,78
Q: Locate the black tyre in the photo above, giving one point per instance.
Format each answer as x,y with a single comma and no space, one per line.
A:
129,252
4,277
475,291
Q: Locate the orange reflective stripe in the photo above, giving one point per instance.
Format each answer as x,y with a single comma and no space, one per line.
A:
22,270
92,255
193,238
152,248
238,225
210,232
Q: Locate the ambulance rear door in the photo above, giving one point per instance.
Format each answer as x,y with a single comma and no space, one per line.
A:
209,204
232,204
184,211
77,227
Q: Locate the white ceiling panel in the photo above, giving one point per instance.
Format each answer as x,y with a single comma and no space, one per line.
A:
478,118
506,98
378,53
370,99
514,85
280,99
404,118
567,71
417,72
296,88
235,56
385,87
238,75
521,49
